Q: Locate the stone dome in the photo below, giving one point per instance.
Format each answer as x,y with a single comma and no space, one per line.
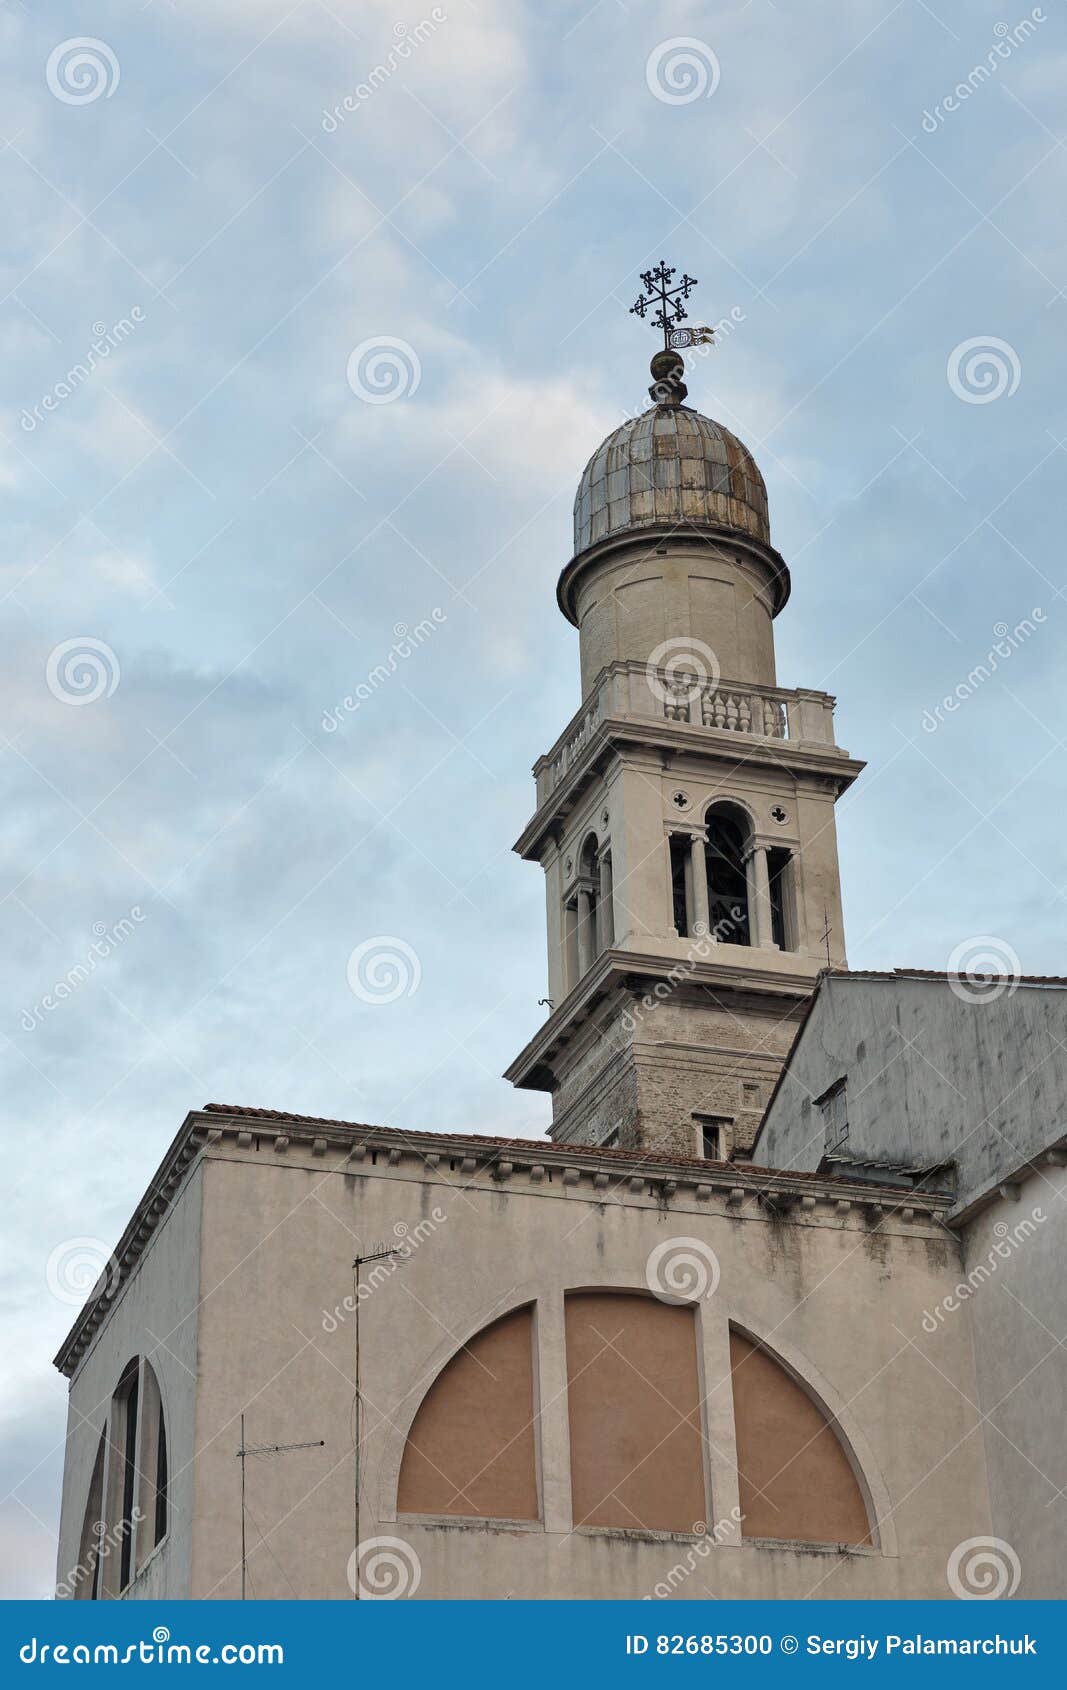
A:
669,466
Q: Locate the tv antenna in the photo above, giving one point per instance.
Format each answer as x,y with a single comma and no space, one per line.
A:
243,1453
826,936
379,1253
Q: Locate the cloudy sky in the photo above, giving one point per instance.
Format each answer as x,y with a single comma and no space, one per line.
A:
216,531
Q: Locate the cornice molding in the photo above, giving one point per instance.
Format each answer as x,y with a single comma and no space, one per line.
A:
704,537
615,967
674,739
648,1177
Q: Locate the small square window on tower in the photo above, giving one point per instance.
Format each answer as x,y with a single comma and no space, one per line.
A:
834,1107
713,1136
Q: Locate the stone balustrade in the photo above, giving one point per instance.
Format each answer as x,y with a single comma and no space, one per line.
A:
625,689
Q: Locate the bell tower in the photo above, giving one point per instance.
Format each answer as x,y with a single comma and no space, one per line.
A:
685,815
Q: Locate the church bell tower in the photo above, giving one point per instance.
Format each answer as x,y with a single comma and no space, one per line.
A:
685,815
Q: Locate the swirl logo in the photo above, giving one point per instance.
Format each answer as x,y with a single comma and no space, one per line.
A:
382,969
983,969
680,670
682,1270
383,369
82,69
80,1269
983,1569
386,1568
82,670
99,1528
983,369
161,1634
682,70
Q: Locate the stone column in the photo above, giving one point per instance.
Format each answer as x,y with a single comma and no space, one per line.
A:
698,866
585,932
605,912
759,899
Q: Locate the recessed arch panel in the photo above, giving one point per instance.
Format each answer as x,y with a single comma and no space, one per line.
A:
795,1479
471,1449
634,1407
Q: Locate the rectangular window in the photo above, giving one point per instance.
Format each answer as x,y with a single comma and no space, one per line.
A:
780,880
714,1134
834,1108
679,844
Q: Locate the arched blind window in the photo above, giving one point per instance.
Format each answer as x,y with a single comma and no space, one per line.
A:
127,1511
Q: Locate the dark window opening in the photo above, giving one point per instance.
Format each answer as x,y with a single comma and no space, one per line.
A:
679,843
129,1482
713,1135
592,938
778,861
161,1481
727,880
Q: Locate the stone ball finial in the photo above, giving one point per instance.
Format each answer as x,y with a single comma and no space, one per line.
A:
668,384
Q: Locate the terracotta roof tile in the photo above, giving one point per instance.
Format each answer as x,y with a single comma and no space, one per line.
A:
653,1158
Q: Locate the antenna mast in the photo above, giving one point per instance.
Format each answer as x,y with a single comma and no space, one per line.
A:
379,1254
242,1455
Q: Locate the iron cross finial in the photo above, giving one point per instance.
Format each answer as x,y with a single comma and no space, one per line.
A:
661,289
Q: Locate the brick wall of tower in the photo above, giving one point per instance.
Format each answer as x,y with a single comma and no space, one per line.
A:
649,1066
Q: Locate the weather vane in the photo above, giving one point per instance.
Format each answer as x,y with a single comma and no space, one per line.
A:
661,289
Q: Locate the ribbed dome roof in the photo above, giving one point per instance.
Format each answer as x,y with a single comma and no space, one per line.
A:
669,465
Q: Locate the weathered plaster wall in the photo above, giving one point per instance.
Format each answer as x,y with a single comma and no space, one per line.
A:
1013,1266
280,1231
930,1077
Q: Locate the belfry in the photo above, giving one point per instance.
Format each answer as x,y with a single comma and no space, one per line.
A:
685,815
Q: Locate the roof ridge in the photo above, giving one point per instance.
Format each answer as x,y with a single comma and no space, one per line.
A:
904,972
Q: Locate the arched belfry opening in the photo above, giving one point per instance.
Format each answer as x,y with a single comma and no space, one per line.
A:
682,953
588,923
728,839
588,902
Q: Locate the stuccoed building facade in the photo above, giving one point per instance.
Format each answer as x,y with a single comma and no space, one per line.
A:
624,1361
957,1084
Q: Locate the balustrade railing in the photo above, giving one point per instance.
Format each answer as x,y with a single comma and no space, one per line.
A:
633,689
733,710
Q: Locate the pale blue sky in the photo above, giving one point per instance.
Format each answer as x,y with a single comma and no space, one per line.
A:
216,505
